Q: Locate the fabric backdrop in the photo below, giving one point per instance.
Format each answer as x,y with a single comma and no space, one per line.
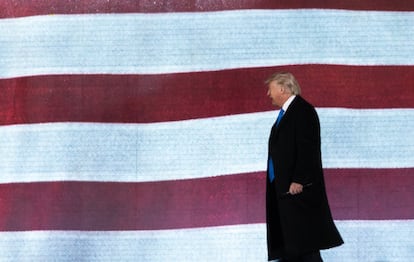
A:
137,130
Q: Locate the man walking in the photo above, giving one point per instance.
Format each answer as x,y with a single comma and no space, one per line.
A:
299,220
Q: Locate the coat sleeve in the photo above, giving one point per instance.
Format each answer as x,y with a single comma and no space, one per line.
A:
307,143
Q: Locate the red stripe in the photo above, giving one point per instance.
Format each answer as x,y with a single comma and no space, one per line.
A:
371,194
226,200
43,7
153,98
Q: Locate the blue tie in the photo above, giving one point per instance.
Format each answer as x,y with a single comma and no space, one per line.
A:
279,117
271,169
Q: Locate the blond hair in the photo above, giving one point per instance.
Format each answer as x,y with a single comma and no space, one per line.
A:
287,80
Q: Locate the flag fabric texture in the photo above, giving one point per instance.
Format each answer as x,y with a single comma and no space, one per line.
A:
137,130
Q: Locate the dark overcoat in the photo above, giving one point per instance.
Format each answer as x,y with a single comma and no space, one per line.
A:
301,223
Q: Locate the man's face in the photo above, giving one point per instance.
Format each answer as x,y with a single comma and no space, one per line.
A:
275,92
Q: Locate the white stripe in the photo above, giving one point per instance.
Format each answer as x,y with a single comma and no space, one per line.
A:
183,42
364,241
195,148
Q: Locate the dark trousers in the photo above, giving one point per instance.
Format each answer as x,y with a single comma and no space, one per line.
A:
311,257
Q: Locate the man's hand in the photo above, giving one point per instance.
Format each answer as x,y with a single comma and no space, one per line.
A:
295,188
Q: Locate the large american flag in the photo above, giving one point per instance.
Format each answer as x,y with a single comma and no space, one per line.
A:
137,130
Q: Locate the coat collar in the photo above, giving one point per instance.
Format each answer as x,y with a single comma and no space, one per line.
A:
288,102
289,105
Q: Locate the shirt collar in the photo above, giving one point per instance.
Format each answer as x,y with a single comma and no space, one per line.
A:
288,102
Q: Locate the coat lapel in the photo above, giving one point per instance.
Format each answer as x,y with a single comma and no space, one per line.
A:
275,129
